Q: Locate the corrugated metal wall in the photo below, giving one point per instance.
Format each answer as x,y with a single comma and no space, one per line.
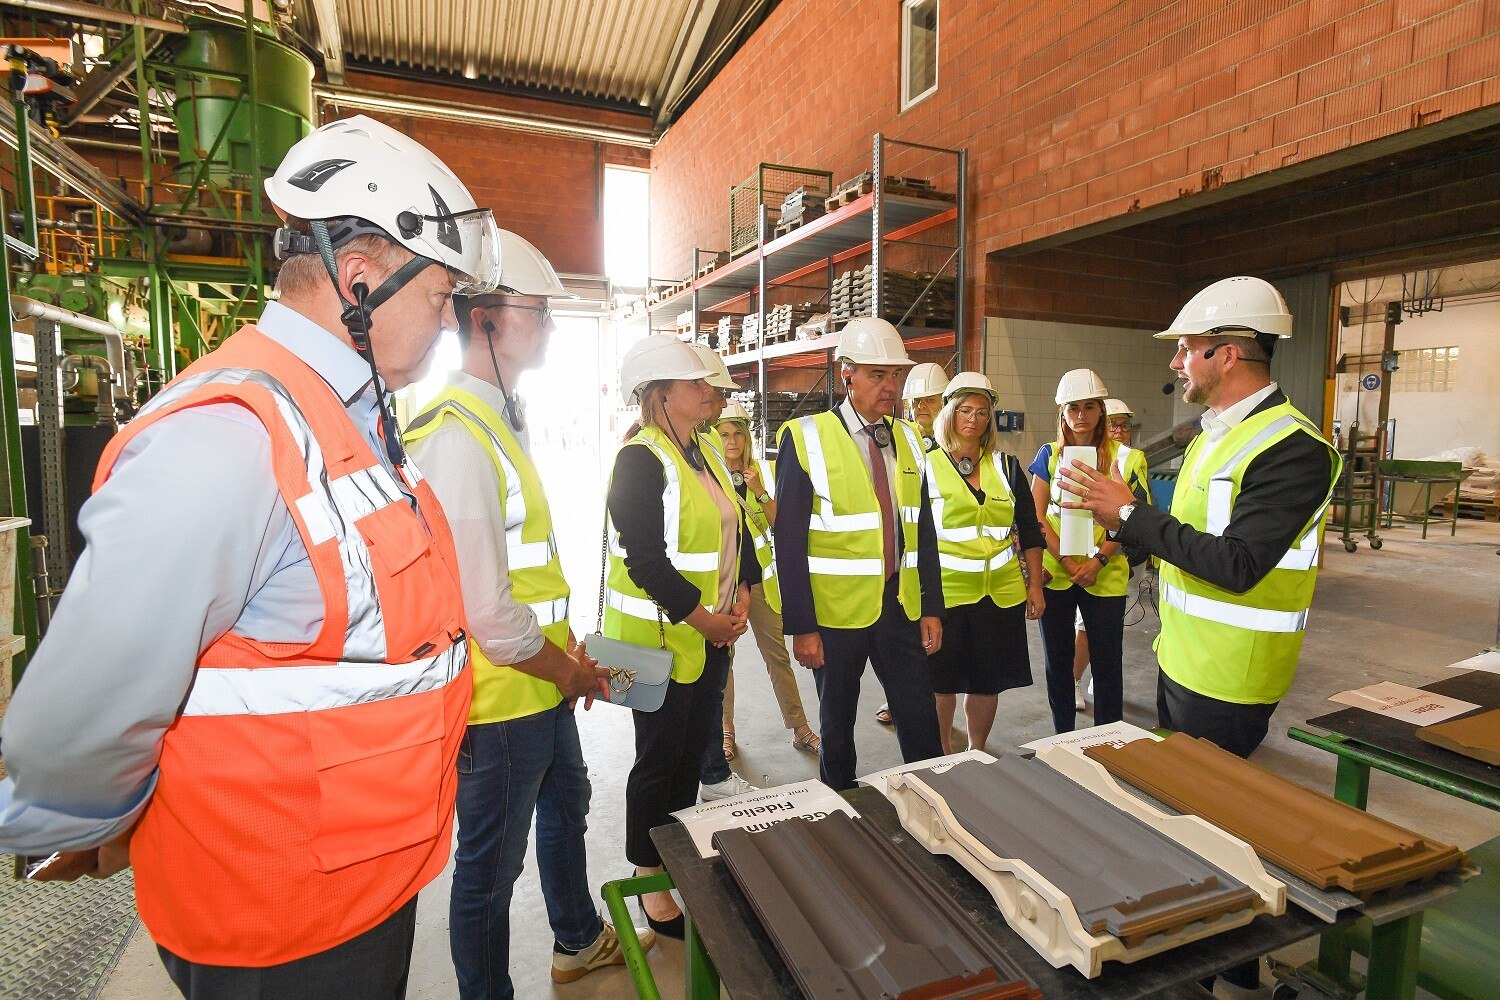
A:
1300,363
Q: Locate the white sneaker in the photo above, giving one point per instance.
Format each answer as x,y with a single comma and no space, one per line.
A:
605,951
1079,702
728,788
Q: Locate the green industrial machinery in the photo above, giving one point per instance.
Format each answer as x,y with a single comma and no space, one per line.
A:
155,271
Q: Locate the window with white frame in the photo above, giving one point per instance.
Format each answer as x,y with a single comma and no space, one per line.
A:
1426,369
919,50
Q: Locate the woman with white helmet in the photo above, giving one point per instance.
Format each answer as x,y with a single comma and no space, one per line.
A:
1093,585
680,568
980,506
755,481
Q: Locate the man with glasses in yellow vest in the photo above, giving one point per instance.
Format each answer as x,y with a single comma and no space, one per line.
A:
856,552
521,756
1240,548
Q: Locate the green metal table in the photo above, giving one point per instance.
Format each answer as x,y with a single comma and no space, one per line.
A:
1363,740
1427,475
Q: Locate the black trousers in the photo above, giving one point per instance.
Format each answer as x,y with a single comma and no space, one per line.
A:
893,646
1237,728
669,746
1104,618
373,966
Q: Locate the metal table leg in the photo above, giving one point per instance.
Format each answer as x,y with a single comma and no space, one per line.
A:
1351,785
1394,953
702,980
615,894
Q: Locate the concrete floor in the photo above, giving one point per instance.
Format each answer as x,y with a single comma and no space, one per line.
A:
1400,614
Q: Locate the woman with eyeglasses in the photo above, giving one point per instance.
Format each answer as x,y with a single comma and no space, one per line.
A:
980,506
681,565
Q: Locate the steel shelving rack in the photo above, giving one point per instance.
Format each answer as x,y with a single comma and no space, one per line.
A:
887,227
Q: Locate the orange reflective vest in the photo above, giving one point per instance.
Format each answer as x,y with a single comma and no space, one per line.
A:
306,790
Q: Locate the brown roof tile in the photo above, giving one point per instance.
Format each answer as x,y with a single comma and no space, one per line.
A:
1311,835
1476,736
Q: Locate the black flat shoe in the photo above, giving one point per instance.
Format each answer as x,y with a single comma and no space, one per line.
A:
674,928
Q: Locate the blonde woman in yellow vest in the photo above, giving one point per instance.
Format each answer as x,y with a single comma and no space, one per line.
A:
980,505
754,480
1094,584
521,757
1241,546
680,569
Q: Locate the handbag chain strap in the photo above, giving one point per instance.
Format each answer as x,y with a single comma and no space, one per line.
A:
661,625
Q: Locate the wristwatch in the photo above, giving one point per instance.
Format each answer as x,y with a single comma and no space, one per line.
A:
763,498
1125,512
1096,554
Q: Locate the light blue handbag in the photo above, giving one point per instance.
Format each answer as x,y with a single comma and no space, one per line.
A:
638,675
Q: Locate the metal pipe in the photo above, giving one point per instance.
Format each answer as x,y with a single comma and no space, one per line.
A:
21,306
91,12
118,147
104,399
473,114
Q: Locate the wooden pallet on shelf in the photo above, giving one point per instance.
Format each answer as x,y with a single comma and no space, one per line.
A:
1469,510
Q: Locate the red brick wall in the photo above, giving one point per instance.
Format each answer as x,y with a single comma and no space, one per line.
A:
548,189
1072,112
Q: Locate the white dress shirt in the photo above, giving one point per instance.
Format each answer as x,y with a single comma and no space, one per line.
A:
462,474
860,431
1218,424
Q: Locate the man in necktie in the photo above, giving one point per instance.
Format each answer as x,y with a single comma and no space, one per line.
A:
856,552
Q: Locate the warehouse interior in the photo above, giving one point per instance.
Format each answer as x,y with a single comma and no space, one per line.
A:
1019,189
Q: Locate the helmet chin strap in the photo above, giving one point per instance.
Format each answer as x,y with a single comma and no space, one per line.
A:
356,319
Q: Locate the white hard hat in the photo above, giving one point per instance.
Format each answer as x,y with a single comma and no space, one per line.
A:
375,180
525,271
718,371
734,410
1117,408
1233,307
1078,385
658,357
969,382
926,379
866,340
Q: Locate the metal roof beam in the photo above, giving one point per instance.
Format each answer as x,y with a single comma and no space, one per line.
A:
690,39
330,39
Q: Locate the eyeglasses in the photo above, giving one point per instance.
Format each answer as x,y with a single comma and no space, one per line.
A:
546,310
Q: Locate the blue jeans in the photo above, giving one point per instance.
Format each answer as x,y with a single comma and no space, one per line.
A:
506,772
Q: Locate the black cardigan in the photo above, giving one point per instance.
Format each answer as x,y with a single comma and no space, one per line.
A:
636,490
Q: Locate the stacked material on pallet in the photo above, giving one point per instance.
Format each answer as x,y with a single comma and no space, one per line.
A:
802,206
853,919
1080,879
750,332
727,333
1315,837
779,407
908,298
782,320
820,325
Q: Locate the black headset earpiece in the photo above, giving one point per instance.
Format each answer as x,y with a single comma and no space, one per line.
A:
694,456
1210,352
489,327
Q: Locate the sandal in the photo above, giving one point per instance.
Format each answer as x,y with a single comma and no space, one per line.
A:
883,715
729,744
805,739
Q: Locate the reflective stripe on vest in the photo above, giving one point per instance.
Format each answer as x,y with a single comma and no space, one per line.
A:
329,510
1304,553
684,562
967,533
1238,615
279,690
